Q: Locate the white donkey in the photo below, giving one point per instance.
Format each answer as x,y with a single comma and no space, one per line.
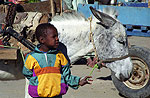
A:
109,37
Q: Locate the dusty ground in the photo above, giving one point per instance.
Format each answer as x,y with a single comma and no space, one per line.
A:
102,86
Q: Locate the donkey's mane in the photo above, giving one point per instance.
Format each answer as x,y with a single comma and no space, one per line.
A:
70,16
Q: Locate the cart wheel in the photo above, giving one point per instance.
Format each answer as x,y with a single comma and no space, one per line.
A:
138,85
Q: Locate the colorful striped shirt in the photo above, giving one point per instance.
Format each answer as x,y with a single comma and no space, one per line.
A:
49,73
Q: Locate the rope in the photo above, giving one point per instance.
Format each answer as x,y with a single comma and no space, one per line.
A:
91,37
92,40
109,60
106,61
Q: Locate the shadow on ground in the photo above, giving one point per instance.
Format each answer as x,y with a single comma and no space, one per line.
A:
105,78
81,61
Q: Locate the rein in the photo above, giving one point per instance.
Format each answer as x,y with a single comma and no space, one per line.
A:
109,60
98,60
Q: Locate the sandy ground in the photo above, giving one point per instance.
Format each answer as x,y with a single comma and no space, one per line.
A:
102,86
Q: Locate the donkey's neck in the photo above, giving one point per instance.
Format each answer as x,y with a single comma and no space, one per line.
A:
75,35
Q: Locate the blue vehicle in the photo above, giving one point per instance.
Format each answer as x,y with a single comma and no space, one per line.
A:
134,16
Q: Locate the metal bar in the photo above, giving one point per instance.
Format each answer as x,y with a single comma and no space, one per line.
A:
22,40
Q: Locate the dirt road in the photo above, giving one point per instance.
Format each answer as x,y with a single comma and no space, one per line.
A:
102,86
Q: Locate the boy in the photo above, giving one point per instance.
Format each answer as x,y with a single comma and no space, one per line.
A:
47,68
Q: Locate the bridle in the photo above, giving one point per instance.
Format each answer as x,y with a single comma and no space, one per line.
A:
110,60
98,60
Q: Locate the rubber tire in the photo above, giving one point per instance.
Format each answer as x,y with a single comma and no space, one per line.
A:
144,54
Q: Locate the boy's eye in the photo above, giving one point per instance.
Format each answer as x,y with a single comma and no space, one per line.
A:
55,36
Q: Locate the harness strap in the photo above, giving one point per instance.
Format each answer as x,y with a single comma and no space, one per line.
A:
99,64
109,60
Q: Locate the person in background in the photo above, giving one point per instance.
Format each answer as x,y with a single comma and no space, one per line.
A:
73,4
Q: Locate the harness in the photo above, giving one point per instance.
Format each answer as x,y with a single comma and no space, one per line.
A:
99,62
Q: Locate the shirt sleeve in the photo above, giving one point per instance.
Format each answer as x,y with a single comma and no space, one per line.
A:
72,81
27,68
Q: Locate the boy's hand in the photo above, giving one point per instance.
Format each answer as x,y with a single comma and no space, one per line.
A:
85,80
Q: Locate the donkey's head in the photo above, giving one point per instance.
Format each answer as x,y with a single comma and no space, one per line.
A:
111,43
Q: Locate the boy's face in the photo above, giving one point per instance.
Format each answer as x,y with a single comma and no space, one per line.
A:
51,39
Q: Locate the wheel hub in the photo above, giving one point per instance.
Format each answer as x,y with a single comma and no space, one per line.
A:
140,74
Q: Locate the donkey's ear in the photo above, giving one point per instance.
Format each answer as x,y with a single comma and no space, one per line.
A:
105,19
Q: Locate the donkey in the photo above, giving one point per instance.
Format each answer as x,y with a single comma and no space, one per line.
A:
109,38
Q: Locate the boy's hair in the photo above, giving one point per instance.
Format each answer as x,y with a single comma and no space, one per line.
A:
41,29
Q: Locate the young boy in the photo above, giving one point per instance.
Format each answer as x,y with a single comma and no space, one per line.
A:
47,69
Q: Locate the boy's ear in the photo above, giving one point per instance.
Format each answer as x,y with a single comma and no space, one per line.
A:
42,39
